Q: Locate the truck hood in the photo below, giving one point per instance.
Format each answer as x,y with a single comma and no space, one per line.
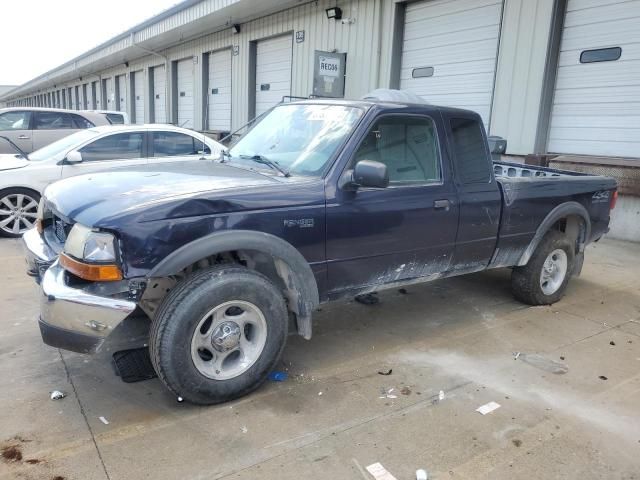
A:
12,161
149,191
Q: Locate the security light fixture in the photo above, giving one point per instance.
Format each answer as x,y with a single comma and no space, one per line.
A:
334,12
235,28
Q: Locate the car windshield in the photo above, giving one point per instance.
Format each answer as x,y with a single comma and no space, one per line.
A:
62,146
300,138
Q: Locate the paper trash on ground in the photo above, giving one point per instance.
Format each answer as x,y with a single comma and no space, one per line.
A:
488,408
379,472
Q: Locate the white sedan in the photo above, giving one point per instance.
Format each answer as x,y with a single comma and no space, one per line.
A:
23,178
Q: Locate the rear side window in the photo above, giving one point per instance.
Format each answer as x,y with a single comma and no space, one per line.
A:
115,119
53,121
114,147
170,144
15,120
470,151
81,122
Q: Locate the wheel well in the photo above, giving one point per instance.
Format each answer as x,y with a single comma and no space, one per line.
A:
31,190
275,269
574,227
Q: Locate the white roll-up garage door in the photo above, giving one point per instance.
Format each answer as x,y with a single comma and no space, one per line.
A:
273,71
219,93
450,50
122,93
111,95
185,93
596,103
138,95
159,95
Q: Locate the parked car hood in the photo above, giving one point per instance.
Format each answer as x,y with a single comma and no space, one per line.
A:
95,199
12,161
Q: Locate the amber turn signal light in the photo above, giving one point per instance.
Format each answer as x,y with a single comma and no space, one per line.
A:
92,272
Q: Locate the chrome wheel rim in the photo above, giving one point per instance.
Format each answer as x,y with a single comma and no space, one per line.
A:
18,213
228,340
554,269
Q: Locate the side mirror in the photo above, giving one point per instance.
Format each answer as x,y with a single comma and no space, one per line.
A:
366,173
73,157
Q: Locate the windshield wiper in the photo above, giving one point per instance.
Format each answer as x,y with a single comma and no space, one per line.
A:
16,147
265,161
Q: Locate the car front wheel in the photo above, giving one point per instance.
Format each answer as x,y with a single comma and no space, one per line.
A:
18,211
218,334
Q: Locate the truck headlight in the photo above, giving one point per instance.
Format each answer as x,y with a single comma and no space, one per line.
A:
98,248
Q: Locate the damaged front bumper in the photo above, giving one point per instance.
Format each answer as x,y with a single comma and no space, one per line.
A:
70,317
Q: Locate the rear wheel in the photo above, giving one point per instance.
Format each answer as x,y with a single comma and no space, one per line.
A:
218,334
544,279
18,211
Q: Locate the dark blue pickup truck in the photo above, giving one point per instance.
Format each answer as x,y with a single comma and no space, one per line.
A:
320,200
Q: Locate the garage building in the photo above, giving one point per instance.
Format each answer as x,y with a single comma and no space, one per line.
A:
559,79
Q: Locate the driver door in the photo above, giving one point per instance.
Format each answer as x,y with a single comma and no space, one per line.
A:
112,151
407,230
15,125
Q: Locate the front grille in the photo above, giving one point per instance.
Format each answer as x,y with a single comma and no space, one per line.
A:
61,229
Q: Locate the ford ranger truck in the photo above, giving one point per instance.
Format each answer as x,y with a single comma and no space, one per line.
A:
321,200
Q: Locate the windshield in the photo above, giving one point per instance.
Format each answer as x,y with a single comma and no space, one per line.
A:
299,138
62,146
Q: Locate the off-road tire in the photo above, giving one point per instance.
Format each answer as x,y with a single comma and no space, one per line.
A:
525,280
178,316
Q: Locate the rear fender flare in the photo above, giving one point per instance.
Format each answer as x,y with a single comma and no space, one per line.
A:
561,211
291,266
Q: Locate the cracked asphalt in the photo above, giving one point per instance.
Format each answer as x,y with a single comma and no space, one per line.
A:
570,401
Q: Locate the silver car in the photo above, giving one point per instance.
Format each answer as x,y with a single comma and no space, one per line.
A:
33,128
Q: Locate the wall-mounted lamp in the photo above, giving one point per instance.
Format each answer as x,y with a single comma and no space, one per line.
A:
334,12
235,28
126,64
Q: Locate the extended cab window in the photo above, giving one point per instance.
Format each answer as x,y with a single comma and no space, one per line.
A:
470,151
15,120
52,121
170,144
407,145
113,147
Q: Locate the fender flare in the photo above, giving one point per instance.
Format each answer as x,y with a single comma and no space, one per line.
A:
561,211
291,266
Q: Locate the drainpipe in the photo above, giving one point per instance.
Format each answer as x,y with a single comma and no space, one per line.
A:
167,72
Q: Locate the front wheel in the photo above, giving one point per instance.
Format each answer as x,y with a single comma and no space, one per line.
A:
18,211
544,279
218,334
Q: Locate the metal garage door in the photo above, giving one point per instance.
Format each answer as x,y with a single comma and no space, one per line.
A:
121,104
71,103
450,50
596,104
185,93
138,93
159,95
111,96
273,71
95,96
219,94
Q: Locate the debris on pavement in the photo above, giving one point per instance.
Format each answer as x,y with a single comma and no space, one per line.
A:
244,429
12,453
104,420
278,376
403,291
421,474
612,342
488,408
379,472
602,377
388,393
405,390
319,394
367,299
516,355
542,363
441,395
388,372
57,395
180,399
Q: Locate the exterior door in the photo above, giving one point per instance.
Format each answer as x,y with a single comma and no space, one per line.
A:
122,93
185,93
15,125
159,95
219,94
138,93
273,72
377,236
450,51
111,151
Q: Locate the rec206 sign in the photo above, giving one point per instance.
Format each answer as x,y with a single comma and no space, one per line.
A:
329,66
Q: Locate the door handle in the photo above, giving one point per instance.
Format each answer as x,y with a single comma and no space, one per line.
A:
23,137
441,204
